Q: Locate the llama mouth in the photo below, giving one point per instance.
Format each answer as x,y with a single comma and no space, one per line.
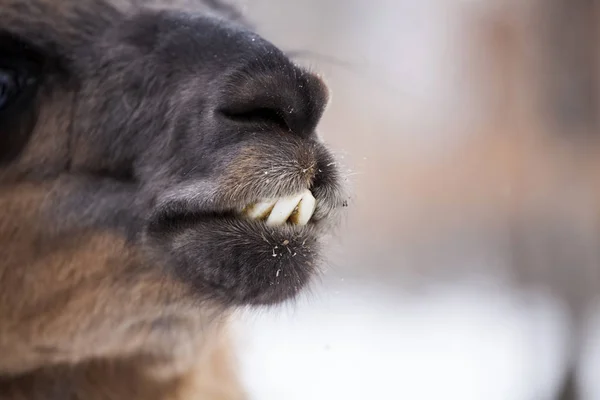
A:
260,253
296,210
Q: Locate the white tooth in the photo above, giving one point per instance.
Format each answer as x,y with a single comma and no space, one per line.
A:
305,210
260,210
283,209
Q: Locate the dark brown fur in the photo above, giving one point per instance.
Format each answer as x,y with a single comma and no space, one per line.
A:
147,125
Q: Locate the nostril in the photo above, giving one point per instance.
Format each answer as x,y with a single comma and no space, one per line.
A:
275,93
257,116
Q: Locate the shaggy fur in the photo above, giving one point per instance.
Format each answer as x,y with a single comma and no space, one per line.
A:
134,132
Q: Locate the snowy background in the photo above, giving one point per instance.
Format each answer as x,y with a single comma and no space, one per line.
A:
422,297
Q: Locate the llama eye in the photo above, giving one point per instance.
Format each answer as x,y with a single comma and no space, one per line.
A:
9,87
15,83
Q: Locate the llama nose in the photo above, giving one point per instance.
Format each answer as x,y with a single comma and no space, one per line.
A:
271,91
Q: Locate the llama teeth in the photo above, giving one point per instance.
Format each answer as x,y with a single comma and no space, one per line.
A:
260,210
305,210
283,209
297,209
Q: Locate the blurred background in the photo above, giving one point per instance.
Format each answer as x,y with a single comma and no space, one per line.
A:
468,264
